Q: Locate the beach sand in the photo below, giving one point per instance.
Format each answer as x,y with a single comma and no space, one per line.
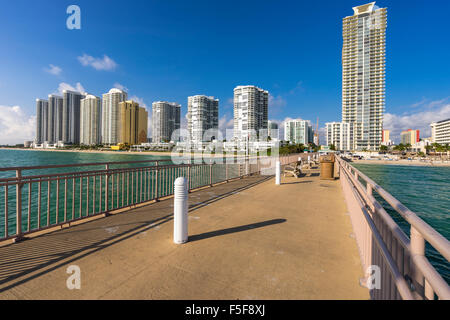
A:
405,163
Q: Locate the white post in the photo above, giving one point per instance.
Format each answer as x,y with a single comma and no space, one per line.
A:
180,220
278,173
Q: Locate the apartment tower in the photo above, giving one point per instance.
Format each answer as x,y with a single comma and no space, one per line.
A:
203,116
111,115
250,112
363,77
71,116
54,118
298,132
165,120
90,120
41,121
133,121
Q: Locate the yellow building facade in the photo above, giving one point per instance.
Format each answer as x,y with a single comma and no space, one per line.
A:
134,122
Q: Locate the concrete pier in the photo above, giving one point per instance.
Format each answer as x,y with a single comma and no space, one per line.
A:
248,239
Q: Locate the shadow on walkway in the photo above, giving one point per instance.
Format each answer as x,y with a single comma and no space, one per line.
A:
30,259
222,232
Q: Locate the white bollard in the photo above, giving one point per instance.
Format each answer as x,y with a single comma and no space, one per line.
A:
278,173
180,219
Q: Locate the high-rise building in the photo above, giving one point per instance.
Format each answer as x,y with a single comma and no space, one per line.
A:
339,135
111,115
54,118
250,112
41,121
134,121
71,116
90,120
203,116
298,132
165,120
363,76
410,136
440,132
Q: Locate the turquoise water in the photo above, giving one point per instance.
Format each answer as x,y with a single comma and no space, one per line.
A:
424,190
77,195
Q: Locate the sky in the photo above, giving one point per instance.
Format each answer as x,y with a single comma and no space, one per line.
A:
169,50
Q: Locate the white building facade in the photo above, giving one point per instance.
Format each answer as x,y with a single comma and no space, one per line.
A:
110,123
363,76
165,120
202,117
298,132
250,112
339,134
90,120
440,132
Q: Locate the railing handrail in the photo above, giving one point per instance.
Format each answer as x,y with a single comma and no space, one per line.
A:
420,231
438,241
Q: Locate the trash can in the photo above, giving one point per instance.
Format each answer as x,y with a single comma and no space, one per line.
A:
327,167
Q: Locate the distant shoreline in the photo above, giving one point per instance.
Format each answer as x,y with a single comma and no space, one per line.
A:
143,153
403,163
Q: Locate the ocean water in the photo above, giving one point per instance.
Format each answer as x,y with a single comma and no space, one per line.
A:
425,191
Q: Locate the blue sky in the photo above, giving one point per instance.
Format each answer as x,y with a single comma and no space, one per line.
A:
168,50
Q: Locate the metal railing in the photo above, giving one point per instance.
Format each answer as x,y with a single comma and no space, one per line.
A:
36,202
406,272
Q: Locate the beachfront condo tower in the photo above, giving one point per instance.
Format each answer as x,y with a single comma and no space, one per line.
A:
41,121
339,135
440,132
410,136
54,119
71,117
272,130
90,120
133,119
298,132
363,76
111,115
250,112
203,118
165,120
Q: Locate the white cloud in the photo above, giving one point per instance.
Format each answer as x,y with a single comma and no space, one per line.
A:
54,70
276,102
65,86
105,63
226,126
119,86
433,111
15,126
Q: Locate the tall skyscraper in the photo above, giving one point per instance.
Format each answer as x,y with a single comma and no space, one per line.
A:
111,115
202,116
250,112
298,132
134,121
165,120
363,77
71,116
54,119
90,120
41,121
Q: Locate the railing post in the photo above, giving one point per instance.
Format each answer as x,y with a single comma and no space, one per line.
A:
417,249
106,189
19,205
210,174
156,183
226,171
189,178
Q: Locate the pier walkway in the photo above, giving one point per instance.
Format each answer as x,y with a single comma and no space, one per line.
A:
249,239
